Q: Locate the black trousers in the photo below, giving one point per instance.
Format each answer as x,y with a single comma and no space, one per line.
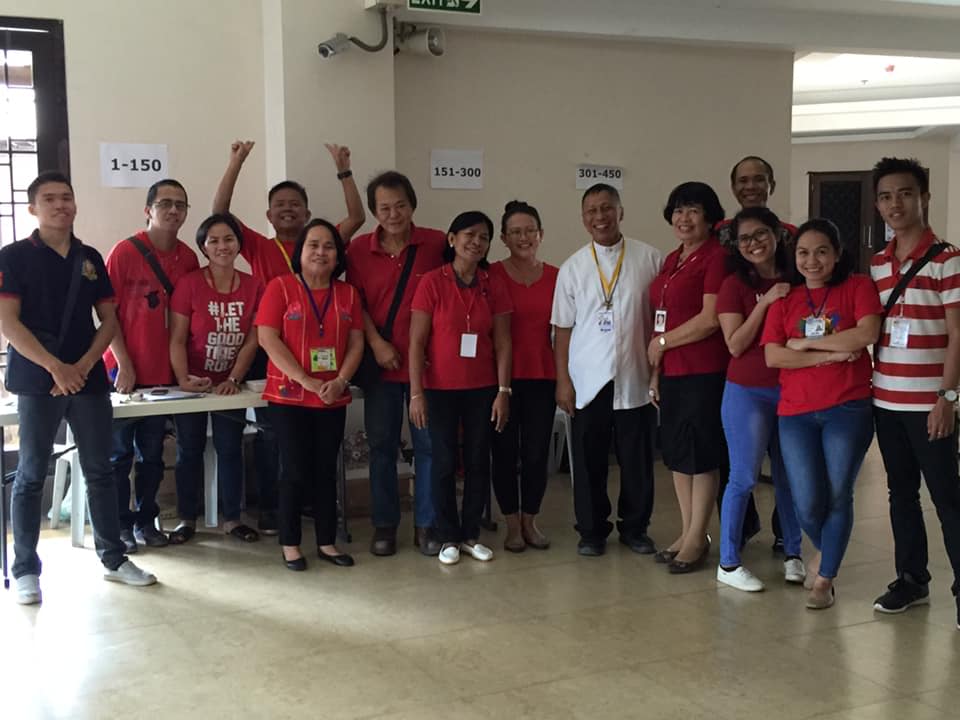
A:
309,440
447,412
526,439
907,452
632,432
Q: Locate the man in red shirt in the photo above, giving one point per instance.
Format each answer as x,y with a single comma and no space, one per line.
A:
144,269
374,264
287,212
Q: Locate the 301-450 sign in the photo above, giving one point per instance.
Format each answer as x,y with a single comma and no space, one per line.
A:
470,7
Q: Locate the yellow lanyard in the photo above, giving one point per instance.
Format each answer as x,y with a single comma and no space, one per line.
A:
610,285
283,251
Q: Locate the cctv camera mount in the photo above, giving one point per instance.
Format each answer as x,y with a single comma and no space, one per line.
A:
340,42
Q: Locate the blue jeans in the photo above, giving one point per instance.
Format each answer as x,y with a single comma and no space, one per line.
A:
143,436
384,409
749,417
228,441
823,451
89,417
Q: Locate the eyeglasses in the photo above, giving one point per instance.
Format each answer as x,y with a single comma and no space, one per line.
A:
168,204
757,236
517,233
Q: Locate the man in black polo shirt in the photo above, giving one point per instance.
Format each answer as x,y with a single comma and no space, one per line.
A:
49,285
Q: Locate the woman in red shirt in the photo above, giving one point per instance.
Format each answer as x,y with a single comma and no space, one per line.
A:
761,265
460,375
816,335
211,348
689,359
530,283
311,327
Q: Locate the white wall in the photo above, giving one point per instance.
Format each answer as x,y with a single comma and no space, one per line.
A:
932,153
538,106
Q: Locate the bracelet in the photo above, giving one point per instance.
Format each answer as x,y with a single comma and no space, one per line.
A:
346,383
505,389
416,397
344,175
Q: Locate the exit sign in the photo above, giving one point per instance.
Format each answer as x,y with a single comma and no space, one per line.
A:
469,7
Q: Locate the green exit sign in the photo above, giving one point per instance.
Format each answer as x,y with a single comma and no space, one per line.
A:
469,7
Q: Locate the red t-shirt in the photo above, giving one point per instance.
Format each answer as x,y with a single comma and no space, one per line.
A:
376,274
805,390
219,322
530,323
750,369
286,307
449,306
680,291
267,259
142,306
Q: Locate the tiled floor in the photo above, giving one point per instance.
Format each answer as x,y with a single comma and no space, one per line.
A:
230,633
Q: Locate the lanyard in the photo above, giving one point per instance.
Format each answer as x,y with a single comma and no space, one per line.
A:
319,315
816,312
608,286
681,264
473,295
283,251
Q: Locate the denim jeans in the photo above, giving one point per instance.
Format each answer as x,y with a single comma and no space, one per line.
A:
822,452
89,417
266,457
384,409
749,417
142,437
228,442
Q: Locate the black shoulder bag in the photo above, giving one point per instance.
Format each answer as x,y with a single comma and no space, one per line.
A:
153,263
368,373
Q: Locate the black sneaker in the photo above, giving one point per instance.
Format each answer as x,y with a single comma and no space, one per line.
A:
778,546
129,542
901,594
150,536
640,544
590,548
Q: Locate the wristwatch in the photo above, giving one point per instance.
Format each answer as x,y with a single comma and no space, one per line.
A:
662,340
950,395
505,389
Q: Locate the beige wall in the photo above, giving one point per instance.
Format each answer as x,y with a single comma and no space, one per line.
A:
539,106
821,157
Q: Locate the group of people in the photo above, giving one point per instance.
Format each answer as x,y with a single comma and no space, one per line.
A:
749,340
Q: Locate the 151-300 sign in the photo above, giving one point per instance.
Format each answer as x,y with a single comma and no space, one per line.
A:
464,172
456,169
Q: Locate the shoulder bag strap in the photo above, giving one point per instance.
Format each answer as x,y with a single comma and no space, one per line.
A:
905,279
153,263
387,331
72,293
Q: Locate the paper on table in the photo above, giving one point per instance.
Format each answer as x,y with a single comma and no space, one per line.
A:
158,394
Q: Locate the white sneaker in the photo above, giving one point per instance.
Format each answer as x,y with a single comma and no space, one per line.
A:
28,590
478,551
794,571
741,579
130,574
450,554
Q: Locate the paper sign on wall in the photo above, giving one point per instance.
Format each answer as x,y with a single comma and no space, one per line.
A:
132,164
456,169
589,175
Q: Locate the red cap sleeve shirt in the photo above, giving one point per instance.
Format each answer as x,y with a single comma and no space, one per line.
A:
679,289
268,257
142,306
219,322
750,369
286,307
530,323
376,275
805,390
440,296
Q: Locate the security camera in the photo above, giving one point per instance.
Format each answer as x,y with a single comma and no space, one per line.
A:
429,41
337,44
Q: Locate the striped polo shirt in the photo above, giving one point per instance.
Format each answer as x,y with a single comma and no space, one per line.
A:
908,378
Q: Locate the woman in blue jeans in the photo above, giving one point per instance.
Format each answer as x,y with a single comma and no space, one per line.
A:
816,335
749,409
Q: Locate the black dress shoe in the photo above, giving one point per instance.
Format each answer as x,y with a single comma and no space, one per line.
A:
298,565
641,544
682,567
384,541
664,557
423,539
589,548
341,560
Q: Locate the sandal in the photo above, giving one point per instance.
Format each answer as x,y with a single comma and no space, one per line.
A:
181,534
244,533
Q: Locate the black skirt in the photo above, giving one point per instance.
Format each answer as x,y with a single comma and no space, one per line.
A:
691,434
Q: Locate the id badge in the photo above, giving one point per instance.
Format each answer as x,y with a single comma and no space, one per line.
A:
814,327
468,345
323,360
899,332
605,321
660,321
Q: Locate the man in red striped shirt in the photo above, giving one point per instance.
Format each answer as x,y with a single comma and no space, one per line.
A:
915,378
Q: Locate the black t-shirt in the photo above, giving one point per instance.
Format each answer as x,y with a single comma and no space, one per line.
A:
40,278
